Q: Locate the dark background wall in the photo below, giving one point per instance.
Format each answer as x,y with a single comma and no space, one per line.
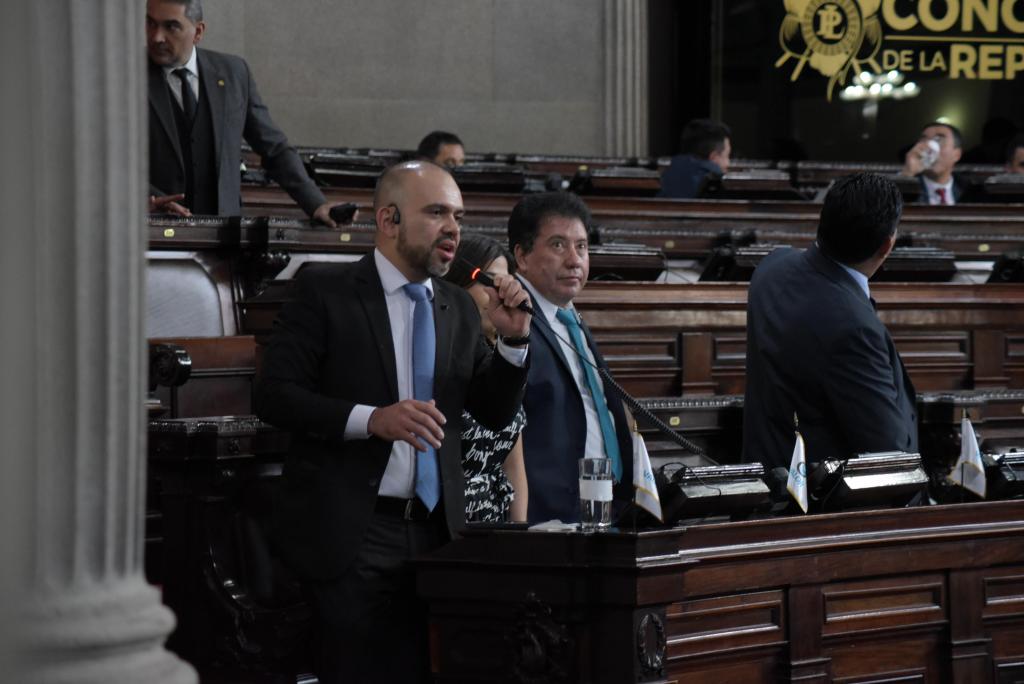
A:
699,67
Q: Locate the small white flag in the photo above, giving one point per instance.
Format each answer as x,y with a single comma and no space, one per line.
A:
643,478
969,472
796,485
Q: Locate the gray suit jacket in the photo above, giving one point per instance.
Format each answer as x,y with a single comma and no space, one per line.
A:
238,112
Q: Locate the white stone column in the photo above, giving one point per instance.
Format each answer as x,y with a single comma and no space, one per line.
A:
73,478
625,80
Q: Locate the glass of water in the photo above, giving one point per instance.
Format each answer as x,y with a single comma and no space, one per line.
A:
595,493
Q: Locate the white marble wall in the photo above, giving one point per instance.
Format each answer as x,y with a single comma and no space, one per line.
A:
506,75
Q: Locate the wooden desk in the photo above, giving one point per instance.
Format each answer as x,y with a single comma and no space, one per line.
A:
687,228
932,594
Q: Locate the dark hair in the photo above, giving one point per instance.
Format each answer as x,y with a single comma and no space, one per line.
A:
860,213
701,137
193,9
1011,149
476,251
526,217
431,145
958,138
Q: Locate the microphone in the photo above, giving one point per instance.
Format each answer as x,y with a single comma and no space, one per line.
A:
479,276
343,213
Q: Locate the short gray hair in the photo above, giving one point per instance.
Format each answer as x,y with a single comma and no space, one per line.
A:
193,9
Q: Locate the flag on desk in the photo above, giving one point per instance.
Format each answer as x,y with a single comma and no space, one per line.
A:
969,471
796,485
643,479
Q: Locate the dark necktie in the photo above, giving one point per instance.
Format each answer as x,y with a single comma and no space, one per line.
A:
188,97
941,192
604,416
428,474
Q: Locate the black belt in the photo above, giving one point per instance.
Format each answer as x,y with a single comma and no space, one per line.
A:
406,509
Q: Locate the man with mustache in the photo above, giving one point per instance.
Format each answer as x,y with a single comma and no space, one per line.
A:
374,473
570,412
201,105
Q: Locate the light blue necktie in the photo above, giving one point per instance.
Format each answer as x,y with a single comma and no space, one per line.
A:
604,416
428,475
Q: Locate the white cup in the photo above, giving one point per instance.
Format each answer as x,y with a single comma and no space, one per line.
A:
595,493
930,154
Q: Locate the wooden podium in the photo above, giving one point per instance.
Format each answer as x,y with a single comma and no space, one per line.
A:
931,594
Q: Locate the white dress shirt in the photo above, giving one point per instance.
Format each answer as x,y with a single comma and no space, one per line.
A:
193,78
400,475
594,447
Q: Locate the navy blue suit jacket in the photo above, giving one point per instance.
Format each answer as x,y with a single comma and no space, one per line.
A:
816,348
556,430
685,176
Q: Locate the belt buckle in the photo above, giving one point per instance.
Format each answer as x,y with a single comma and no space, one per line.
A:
407,515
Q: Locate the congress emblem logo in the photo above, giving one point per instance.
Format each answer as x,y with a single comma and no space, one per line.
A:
837,38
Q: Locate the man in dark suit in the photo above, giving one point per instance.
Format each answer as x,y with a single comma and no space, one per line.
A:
343,372
705,150
815,346
933,160
571,413
201,104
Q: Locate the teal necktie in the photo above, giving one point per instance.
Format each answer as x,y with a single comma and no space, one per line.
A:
428,475
604,416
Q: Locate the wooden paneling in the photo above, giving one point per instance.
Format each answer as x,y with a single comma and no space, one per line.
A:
870,596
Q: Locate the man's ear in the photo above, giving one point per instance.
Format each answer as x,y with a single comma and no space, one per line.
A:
519,255
200,30
384,218
886,248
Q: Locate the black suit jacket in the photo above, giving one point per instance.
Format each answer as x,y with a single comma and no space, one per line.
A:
555,435
816,348
237,112
332,349
959,189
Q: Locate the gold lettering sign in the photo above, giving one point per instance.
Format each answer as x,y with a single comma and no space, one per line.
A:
961,39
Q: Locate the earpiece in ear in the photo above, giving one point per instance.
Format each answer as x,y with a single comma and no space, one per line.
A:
396,216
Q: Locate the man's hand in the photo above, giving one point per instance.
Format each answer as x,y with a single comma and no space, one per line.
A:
913,163
408,421
168,204
505,296
323,214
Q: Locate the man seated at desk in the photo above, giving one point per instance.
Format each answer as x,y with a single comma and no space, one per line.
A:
706,149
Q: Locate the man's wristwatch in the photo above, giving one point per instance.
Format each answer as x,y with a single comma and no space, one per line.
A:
516,341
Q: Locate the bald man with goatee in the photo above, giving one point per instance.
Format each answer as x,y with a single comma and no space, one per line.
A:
369,367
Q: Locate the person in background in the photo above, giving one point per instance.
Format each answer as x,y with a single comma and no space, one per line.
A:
201,105
496,489
442,148
705,149
932,160
1015,155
